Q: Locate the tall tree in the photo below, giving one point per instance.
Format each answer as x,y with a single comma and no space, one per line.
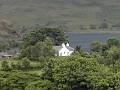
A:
40,49
57,36
113,42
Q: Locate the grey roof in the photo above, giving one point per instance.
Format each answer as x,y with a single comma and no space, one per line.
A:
3,53
70,48
57,48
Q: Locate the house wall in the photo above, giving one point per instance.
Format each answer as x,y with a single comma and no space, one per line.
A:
65,52
71,52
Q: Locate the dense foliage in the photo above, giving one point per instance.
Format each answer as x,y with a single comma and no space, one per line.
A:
38,69
39,50
78,72
55,34
39,43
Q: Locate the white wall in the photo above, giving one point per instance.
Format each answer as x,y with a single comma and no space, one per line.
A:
65,52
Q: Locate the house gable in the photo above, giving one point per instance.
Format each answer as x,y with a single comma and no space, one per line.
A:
63,50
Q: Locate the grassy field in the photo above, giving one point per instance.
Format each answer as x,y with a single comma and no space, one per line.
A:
69,14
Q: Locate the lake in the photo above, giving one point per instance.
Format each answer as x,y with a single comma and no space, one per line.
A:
86,39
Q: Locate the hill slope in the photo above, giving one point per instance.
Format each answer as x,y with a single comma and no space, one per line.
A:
70,14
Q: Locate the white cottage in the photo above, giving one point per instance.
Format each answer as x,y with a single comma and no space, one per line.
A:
63,50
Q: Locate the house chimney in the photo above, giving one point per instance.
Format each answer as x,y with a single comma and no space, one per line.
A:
63,45
67,44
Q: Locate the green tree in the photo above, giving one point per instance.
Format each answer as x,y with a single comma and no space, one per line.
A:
41,85
95,46
99,48
48,70
25,52
40,49
25,64
113,55
57,36
116,66
113,42
78,48
114,81
79,73
5,66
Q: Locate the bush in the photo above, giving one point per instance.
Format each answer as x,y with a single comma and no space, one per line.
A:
41,85
5,66
25,63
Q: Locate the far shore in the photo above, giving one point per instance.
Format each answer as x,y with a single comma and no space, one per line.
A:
97,32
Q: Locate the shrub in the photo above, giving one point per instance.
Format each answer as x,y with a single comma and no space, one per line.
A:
5,66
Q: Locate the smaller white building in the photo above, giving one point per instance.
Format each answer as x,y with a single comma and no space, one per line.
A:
63,50
5,55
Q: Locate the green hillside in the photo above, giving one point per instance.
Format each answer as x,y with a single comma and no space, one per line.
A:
69,14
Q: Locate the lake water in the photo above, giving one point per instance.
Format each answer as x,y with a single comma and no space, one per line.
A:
85,39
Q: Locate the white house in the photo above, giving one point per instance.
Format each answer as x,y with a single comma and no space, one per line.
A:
63,50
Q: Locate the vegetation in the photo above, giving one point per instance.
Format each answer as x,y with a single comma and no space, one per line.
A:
39,50
37,68
97,70
74,73
39,43
40,34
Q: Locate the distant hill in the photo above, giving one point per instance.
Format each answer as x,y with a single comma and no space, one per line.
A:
7,32
69,14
